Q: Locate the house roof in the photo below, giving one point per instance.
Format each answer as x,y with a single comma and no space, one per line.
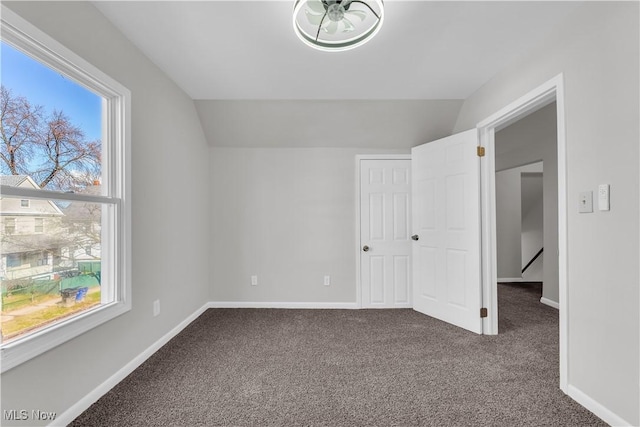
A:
93,190
12,180
84,211
45,208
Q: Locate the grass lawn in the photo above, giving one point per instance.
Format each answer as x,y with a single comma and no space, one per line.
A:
24,323
14,302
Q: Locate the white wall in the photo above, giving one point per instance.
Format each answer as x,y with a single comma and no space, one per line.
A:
170,196
286,215
341,123
283,189
532,226
597,51
508,225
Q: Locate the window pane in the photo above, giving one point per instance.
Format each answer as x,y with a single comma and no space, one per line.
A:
52,274
51,126
39,225
9,225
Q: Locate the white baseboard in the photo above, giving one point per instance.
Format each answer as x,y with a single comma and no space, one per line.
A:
510,279
550,303
598,409
251,304
384,307
83,404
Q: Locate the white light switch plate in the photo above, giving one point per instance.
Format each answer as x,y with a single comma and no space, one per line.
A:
585,202
603,197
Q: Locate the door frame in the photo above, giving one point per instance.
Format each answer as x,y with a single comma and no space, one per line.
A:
552,90
360,157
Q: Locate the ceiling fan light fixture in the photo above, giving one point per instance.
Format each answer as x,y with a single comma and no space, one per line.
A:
337,25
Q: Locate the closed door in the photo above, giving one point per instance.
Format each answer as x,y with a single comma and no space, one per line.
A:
385,221
446,223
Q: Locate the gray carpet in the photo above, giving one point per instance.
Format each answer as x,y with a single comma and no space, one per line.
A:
259,367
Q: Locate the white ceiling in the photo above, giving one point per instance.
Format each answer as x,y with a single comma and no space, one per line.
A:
248,50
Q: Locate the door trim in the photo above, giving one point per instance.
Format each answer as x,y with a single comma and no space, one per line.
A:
360,157
552,90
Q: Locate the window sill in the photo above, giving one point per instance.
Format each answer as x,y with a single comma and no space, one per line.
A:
34,344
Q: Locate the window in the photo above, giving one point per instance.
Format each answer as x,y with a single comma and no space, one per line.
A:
15,260
43,259
9,225
81,227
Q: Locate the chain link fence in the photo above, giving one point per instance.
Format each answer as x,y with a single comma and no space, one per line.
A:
22,292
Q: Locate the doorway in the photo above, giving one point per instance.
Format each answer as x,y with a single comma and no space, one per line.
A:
485,135
549,93
520,223
526,163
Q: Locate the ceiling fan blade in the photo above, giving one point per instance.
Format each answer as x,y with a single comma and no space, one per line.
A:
348,26
313,18
331,28
359,13
316,6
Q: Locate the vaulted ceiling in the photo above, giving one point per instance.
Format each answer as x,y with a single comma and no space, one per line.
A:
236,50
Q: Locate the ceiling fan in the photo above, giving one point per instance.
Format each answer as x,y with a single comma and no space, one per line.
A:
337,25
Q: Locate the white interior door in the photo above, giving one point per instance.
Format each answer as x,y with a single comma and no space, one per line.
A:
446,223
385,230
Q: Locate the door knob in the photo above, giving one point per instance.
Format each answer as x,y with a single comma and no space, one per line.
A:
365,248
415,237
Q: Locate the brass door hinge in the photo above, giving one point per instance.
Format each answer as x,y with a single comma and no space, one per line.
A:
483,312
480,151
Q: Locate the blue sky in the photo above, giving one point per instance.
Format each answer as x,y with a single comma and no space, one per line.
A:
43,86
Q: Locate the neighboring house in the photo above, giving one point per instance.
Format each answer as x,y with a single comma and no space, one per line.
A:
82,221
41,238
30,243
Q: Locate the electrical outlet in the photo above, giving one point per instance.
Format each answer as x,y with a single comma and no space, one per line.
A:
327,280
254,280
156,308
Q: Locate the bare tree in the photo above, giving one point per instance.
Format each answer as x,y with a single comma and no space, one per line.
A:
66,155
20,132
52,150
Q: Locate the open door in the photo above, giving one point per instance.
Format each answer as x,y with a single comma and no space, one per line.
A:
446,226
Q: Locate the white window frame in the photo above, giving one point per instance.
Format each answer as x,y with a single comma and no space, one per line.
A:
116,223
27,205
38,222
10,223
